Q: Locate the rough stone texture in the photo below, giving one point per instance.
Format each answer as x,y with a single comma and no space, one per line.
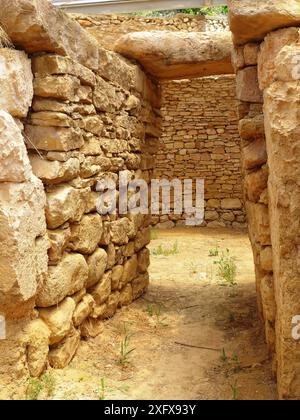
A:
65,279
200,139
38,26
282,133
169,55
251,20
107,28
15,82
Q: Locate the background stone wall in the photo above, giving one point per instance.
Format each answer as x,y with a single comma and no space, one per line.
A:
200,139
107,28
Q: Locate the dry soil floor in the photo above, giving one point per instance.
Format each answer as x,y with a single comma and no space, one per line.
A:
193,336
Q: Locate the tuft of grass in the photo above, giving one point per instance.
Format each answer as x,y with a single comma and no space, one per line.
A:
126,350
235,391
223,356
214,252
156,312
38,385
102,389
165,251
226,268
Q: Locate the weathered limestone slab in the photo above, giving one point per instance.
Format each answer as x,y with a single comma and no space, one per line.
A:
177,55
55,64
37,347
14,162
97,263
54,172
61,356
247,87
59,139
86,234
63,280
38,26
65,203
282,134
59,319
23,252
268,55
252,20
15,82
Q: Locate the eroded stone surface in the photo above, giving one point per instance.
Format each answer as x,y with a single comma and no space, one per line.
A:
177,55
251,20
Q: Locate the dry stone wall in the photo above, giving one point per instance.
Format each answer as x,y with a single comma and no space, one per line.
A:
268,90
107,28
64,126
200,140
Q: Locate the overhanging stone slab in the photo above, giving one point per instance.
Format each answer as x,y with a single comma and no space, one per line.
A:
178,55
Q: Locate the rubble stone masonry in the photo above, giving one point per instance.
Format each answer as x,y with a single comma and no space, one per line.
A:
200,139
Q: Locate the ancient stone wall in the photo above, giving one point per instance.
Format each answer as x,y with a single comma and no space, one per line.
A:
107,28
63,267
268,91
200,140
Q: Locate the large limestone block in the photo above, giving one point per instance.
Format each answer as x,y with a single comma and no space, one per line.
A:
57,139
14,162
55,64
59,319
59,240
63,280
252,20
37,347
247,87
259,223
23,262
251,128
140,285
54,172
256,183
62,355
97,263
177,55
130,271
15,82
65,203
86,234
83,310
59,87
268,56
38,26
255,154
102,291
231,203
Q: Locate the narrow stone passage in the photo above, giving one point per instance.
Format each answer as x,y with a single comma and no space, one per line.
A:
194,337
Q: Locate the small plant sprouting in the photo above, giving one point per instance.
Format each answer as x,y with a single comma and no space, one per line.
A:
235,391
214,252
37,385
166,252
102,389
126,350
155,311
224,357
227,269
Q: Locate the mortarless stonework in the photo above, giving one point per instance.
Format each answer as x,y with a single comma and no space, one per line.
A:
63,267
200,139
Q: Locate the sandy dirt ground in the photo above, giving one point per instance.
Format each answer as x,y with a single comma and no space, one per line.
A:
192,336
